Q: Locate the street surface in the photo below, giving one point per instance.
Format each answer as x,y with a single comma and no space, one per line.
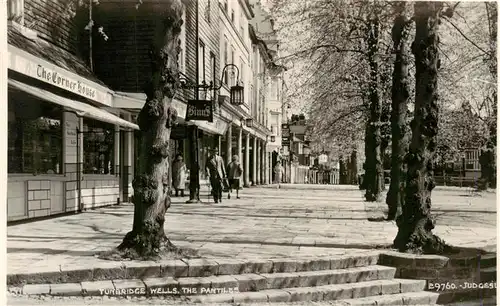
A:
264,223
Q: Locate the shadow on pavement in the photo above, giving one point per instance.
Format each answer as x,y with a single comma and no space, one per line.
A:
265,216
319,245
51,251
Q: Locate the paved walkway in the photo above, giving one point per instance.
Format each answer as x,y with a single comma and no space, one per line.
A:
264,223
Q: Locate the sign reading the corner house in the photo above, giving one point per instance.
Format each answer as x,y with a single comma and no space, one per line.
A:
42,70
60,80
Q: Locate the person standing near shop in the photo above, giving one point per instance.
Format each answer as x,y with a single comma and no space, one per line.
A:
234,175
179,175
216,174
278,174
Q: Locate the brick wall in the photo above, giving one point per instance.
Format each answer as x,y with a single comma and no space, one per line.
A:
122,61
16,200
51,19
99,191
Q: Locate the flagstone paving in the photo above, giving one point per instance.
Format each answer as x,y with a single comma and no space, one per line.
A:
264,223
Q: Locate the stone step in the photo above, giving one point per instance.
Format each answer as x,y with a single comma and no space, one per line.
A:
491,301
348,291
217,284
488,274
188,268
465,295
408,298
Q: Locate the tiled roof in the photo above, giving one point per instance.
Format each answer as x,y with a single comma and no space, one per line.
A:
51,53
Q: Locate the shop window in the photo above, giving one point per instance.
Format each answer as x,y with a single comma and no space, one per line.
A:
181,58
201,61
226,61
34,137
98,147
15,10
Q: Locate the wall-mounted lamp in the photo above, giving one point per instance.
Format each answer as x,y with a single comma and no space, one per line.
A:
237,95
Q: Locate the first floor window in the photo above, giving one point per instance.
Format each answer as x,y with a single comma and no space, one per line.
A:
15,9
34,136
201,61
472,160
98,147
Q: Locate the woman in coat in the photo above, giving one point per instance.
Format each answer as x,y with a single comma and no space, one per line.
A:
234,173
179,175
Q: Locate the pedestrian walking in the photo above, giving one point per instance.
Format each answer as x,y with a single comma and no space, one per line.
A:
179,170
234,172
278,174
216,173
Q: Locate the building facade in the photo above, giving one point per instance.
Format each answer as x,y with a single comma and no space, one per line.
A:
270,85
68,146
75,91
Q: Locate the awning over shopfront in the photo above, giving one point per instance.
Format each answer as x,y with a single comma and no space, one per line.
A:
80,108
218,127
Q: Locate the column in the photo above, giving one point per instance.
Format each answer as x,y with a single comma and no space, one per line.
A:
262,173
247,161
229,143
239,148
254,161
259,161
266,164
194,179
219,143
127,174
117,165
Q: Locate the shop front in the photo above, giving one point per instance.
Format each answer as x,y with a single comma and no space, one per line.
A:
209,137
63,147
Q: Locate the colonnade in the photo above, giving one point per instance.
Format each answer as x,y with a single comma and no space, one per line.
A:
251,151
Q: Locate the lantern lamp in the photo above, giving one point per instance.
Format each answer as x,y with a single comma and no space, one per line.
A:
237,95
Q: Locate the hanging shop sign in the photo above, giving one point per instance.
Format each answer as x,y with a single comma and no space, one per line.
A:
199,110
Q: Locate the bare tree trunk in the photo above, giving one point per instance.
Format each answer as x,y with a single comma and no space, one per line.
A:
383,148
416,223
354,168
487,159
151,183
488,154
400,96
374,174
342,170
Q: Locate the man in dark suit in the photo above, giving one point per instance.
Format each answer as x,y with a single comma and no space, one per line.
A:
216,174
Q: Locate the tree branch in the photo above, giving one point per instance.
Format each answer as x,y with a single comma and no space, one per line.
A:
315,48
464,36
